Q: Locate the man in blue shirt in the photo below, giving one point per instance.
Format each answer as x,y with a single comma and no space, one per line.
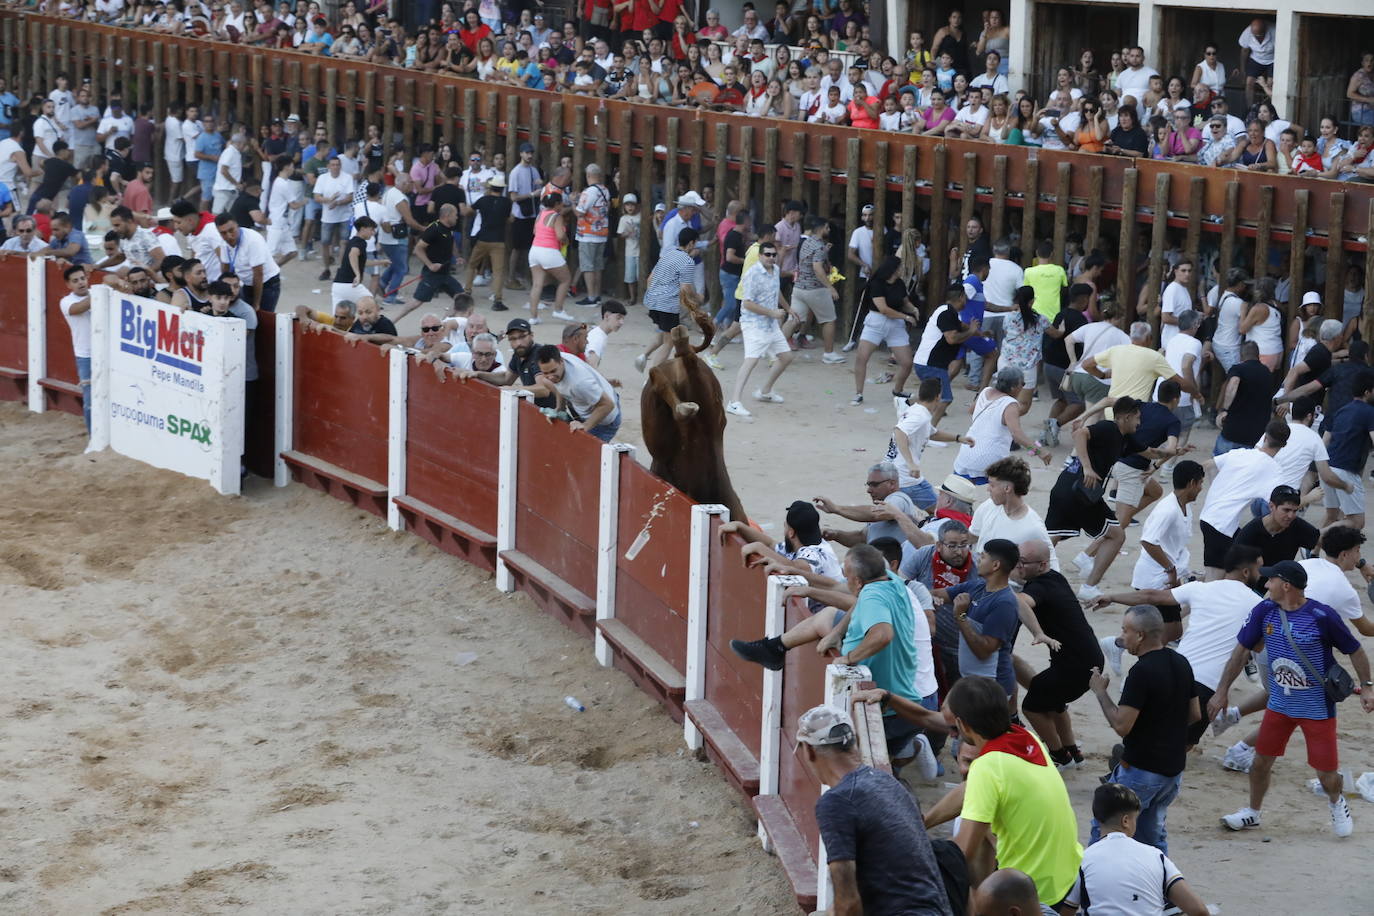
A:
1347,447
980,352
208,147
985,610
9,109
1297,635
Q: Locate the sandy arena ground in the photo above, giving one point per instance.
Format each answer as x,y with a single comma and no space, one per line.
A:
272,704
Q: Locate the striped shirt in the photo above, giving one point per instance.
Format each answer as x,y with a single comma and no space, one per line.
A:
674,269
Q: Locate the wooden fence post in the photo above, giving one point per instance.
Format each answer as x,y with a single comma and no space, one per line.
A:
1159,229
1061,209
746,164
1093,229
579,143
909,187
1335,256
772,169
997,225
648,240
1197,189
969,197
670,167
799,166
1297,252
827,179
1125,262
1264,230
851,222
1228,229
939,228
1030,206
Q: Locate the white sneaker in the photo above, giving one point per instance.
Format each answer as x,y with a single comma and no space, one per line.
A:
1112,653
1084,563
832,359
1225,719
1248,817
481,281
1239,757
1089,593
768,397
738,409
713,361
561,315
849,346
1347,785
1342,824
534,321
641,361
926,764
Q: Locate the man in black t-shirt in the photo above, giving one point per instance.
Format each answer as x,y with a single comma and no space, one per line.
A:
1155,439
1046,703
57,171
247,206
492,211
1280,533
1056,360
1246,402
370,324
940,347
1316,362
435,251
1078,501
1158,704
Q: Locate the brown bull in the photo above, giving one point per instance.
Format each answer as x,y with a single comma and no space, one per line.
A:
683,415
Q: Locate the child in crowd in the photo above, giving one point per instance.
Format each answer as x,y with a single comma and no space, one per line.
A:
612,318
628,230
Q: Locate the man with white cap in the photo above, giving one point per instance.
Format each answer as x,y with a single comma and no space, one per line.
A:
877,851
861,243
687,214
1317,360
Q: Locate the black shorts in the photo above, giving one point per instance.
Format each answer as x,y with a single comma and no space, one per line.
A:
1204,696
665,321
1053,689
1071,512
1214,547
432,283
521,234
1257,70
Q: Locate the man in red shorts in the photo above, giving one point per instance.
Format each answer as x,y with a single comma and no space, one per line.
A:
1297,636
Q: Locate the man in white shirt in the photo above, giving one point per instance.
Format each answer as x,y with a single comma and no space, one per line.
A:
834,76
26,239
1005,514
592,400
1240,481
1184,354
244,253
1135,79
47,130
62,99
1004,276
1221,109
1257,58
1177,297
969,120
114,125
1305,448
191,128
76,308
1328,575
1164,556
751,28
174,144
860,252
229,174
284,203
914,429
992,78
334,193
204,242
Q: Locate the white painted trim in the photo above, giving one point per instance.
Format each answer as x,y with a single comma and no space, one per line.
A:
38,332
284,433
840,683
398,380
774,623
698,608
508,472
101,296
607,535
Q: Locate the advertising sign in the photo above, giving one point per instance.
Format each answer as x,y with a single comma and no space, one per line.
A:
168,386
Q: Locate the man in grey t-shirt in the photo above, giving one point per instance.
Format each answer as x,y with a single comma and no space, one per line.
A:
887,502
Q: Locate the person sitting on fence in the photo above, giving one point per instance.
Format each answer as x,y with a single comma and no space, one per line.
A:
877,851
801,552
585,393
370,324
884,492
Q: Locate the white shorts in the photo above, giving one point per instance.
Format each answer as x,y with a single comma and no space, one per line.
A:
280,241
174,169
1349,502
223,200
880,329
352,292
547,258
759,344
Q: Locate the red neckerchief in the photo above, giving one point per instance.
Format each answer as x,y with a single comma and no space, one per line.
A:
1018,743
942,575
954,514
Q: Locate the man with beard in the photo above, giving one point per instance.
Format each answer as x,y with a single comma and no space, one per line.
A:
370,324
194,293
522,368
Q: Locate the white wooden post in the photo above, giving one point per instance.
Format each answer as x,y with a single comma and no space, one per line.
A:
840,683
284,429
774,623
607,541
99,392
396,437
508,467
698,611
38,331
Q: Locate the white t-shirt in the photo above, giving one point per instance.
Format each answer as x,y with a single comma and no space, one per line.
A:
232,161
250,252
9,170
916,424
45,129
1004,276
998,83
387,212
628,229
1262,48
1168,527
1097,336
328,186
1176,351
205,246
862,239
285,191
173,143
1135,83
846,88
1327,583
582,387
1123,877
190,130
116,128
597,340
1231,310
969,116
990,521
1217,611
1176,299
80,325
921,599
930,336
1243,474
1304,447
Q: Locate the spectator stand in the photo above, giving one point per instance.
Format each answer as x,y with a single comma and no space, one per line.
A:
14,332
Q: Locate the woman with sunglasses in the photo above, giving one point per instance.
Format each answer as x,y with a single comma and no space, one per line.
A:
1209,76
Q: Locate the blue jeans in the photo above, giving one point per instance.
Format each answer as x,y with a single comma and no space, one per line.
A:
606,431
925,372
1224,445
729,305
921,493
395,272
83,373
1156,792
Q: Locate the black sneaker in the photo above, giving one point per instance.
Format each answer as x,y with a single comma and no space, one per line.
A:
759,652
1075,753
325,274
499,306
1061,758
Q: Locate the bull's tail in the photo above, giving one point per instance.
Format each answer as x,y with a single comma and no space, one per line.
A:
690,301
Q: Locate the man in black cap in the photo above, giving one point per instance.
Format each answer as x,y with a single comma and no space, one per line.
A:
801,552
1298,636
520,370
523,188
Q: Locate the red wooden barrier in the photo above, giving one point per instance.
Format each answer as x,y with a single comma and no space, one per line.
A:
14,328
649,631
730,715
341,409
556,518
452,449
61,386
